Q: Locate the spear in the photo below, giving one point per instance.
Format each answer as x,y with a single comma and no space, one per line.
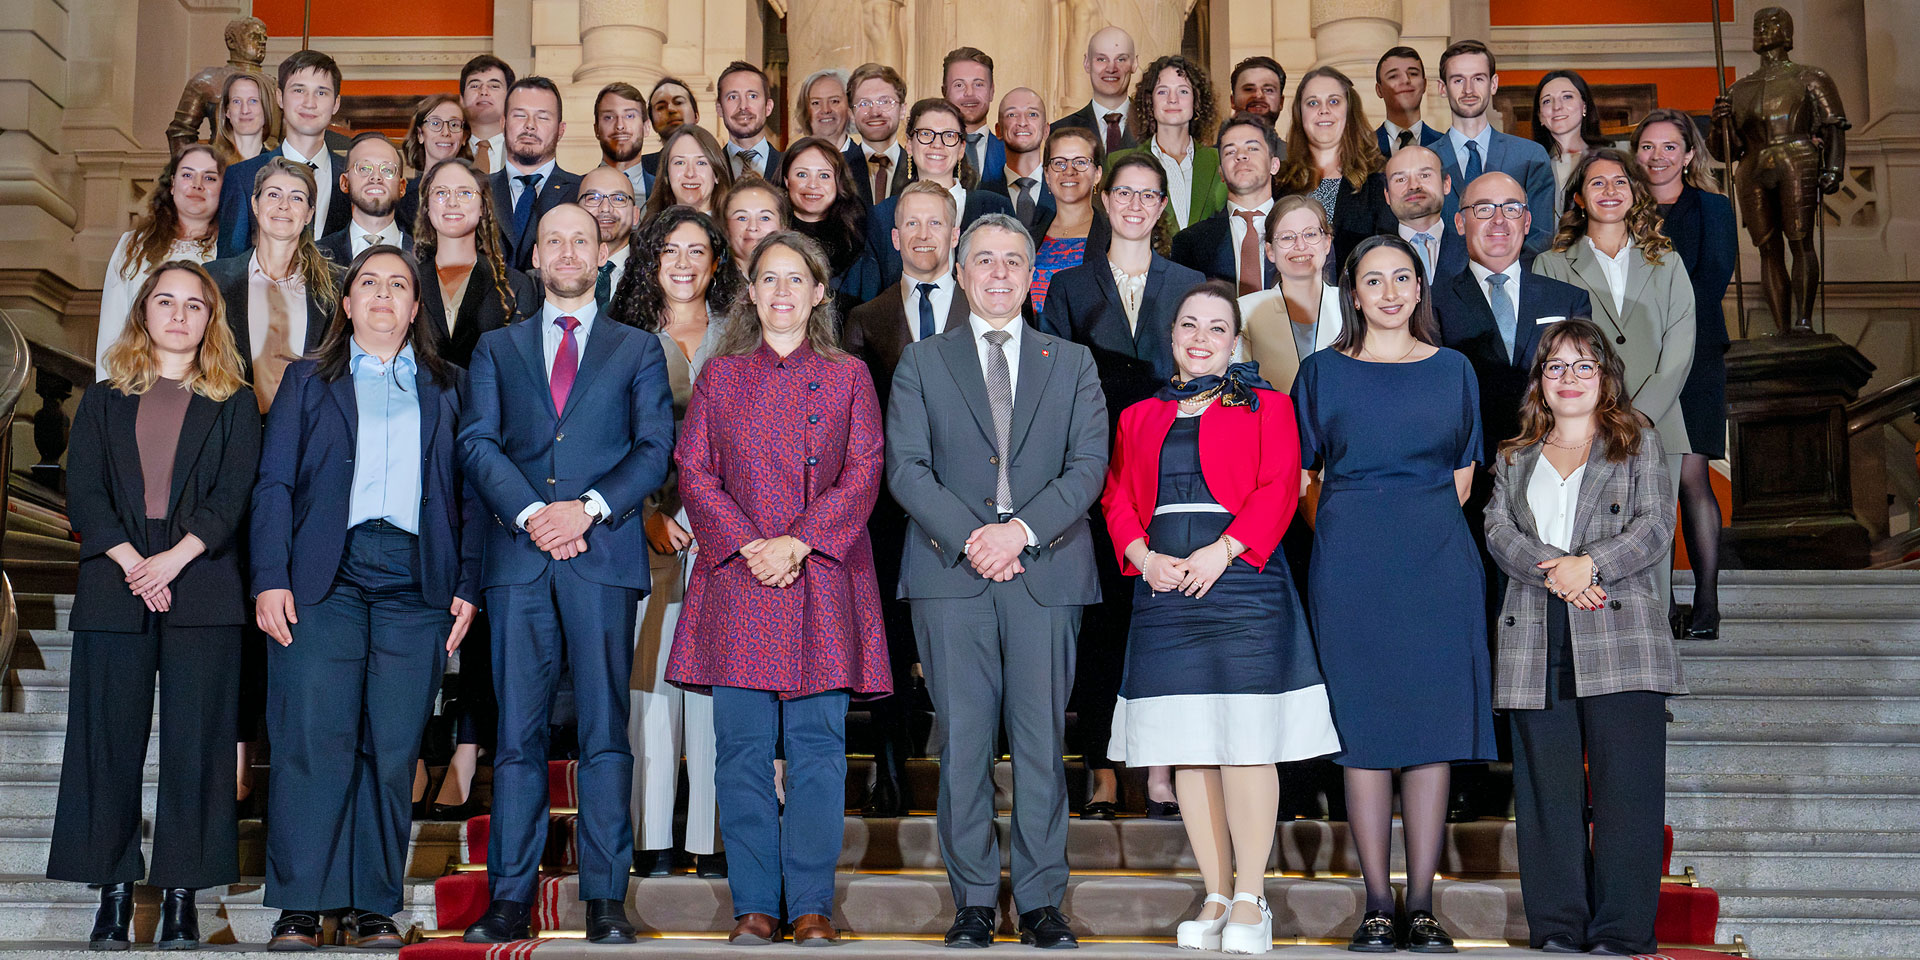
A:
1720,74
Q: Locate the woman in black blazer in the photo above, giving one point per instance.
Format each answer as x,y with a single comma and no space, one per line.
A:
1130,332
1338,164
162,458
1698,218
466,287
364,582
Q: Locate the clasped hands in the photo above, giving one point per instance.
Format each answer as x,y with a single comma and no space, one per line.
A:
994,550
560,528
151,578
1192,575
775,562
1571,579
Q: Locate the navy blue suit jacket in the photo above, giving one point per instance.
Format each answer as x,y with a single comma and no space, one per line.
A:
303,493
1427,136
1083,305
880,248
1702,230
994,161
561,187
236,202
615,437
1467,325
1517,157
1207,246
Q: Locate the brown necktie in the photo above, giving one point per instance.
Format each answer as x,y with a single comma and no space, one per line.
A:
1250,272
880,166
483,156
1113,131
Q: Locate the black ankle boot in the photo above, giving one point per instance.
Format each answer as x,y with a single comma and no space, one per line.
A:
179,921
115,917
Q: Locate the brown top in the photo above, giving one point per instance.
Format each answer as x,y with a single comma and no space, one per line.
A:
157,427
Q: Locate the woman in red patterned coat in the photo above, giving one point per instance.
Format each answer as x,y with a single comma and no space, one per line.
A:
780,461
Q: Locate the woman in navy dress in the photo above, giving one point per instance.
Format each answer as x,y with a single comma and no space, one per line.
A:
1392,422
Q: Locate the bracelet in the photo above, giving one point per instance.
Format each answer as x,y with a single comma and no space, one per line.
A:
1234,547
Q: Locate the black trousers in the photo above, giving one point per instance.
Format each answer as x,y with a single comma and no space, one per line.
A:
1102,655
1607,890
96,828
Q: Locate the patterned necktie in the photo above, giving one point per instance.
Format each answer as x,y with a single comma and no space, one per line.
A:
523,207
566,364
1113,131
1473,161
744,161
603,284
372,239
1251,280
880,166
1406,138
1023,200
1000,398
1426,253
1502,304
483,156
926,309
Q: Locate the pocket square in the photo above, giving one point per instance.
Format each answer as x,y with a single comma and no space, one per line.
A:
1543,320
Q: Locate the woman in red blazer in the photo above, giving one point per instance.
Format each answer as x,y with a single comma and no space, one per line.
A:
1221,680
780,461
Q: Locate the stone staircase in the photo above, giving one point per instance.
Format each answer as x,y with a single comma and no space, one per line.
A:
1793,772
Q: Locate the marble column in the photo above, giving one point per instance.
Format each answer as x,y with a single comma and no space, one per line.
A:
621,40
1350,35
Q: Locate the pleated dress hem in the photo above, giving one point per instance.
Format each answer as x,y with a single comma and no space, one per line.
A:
1223,729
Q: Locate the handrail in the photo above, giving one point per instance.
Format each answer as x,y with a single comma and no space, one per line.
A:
1884,405
16,364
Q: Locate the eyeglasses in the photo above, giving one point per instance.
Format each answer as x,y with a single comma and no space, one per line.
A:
1127,195
436,124
444,196
1076,164
1511,210
597,199
883,103
369,169
1305,238
949,138
1556,370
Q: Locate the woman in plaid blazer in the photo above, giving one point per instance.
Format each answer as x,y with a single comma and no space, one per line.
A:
1581,516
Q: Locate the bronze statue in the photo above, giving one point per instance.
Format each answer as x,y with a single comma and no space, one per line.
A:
200,101
1784,126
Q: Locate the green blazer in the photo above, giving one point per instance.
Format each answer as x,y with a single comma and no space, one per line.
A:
1209,194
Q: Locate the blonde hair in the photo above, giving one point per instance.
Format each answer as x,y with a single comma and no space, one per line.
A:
216,370
314,267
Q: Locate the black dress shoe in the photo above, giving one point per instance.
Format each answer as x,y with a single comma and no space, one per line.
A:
884,801
1374,934
112,920
179,921
1560,943
1162,811
972,927
1703,626
367,930
607,922
653,863
295,931
504,922
712,866
1425,935
1097,810
1603,948
458,813
1047,929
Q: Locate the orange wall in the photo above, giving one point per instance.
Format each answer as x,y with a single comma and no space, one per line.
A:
379,18
1683,88
1517,13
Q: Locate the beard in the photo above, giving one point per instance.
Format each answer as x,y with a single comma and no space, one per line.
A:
575,287
527,161
619,155
373,206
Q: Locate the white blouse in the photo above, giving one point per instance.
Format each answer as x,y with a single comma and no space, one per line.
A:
1553,501
1179,179
117,292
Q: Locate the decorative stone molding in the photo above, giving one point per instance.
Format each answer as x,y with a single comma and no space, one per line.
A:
1611,46
389,58
1323,12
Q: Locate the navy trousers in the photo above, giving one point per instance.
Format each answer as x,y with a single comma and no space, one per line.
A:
346,704
562,620
766,850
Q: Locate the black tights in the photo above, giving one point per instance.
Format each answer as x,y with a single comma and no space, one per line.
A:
1423,815
1700,516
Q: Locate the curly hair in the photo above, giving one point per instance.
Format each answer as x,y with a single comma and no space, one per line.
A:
159,225
222,138
1142,120
1643,216
1614,419
662,196
486,233
414,147
1359,152
743,334
640,301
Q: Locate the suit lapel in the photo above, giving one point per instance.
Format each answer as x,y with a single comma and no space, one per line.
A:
122,419
1036,364
957,311
526,336
963,362
429,394
1149,342
194,427
1592,484
1639,275
343,397
606,337
1586,266
1525,461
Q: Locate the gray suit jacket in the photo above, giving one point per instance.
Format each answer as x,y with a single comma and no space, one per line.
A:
1654,335
1624,521
942,463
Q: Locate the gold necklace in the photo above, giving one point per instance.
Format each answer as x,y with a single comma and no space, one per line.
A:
1582,445
1403,357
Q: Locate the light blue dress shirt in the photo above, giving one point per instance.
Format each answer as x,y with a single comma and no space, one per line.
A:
386,460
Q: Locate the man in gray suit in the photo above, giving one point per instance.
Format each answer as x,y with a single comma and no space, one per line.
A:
998,564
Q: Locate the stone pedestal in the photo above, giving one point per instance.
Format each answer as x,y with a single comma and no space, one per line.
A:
1787,417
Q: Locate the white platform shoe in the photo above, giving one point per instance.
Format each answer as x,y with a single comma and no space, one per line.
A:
1204,934
1248,937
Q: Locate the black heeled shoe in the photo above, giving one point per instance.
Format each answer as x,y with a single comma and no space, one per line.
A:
1097,810
710,866
1162,811
111,924
1703,627
179,921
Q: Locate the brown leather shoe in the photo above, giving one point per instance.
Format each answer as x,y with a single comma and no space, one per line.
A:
814,930
754,930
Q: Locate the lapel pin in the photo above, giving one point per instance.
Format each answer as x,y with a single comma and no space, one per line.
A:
1045,352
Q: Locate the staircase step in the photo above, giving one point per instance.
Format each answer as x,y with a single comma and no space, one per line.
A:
38,691
1847,759
1820,923
1783,661
1787,810
1804,708
34,909
31,789
1791,681
1828,860
43,611
432,847
42,738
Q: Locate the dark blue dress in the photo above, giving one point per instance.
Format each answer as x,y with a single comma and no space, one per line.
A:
1396,588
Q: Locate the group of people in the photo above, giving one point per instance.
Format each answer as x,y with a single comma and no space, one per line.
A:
1256,450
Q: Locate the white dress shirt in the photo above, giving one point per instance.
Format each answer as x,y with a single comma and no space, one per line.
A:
959,194
496,149
324,182
1032,191
1553,501
1100,111
942,299
1458,141
1237,230
1179,180
1419,130
293,298
1514,276
761,145
619,260
515,187
357,236
1427,242
637,179
1615,267
1011,348
551,337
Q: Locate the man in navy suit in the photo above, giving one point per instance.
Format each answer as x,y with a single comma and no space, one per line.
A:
1400,79
1228,245
1417,192
374,185
875,157
309,99
745,100
1023,130
966,80
1109,62
569,430
530,182
1473,147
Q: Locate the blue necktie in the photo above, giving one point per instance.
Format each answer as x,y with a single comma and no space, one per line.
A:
926,310
1502,310
523,207
1473,160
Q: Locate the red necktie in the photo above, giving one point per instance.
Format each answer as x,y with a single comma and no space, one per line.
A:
1113,131
566,363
